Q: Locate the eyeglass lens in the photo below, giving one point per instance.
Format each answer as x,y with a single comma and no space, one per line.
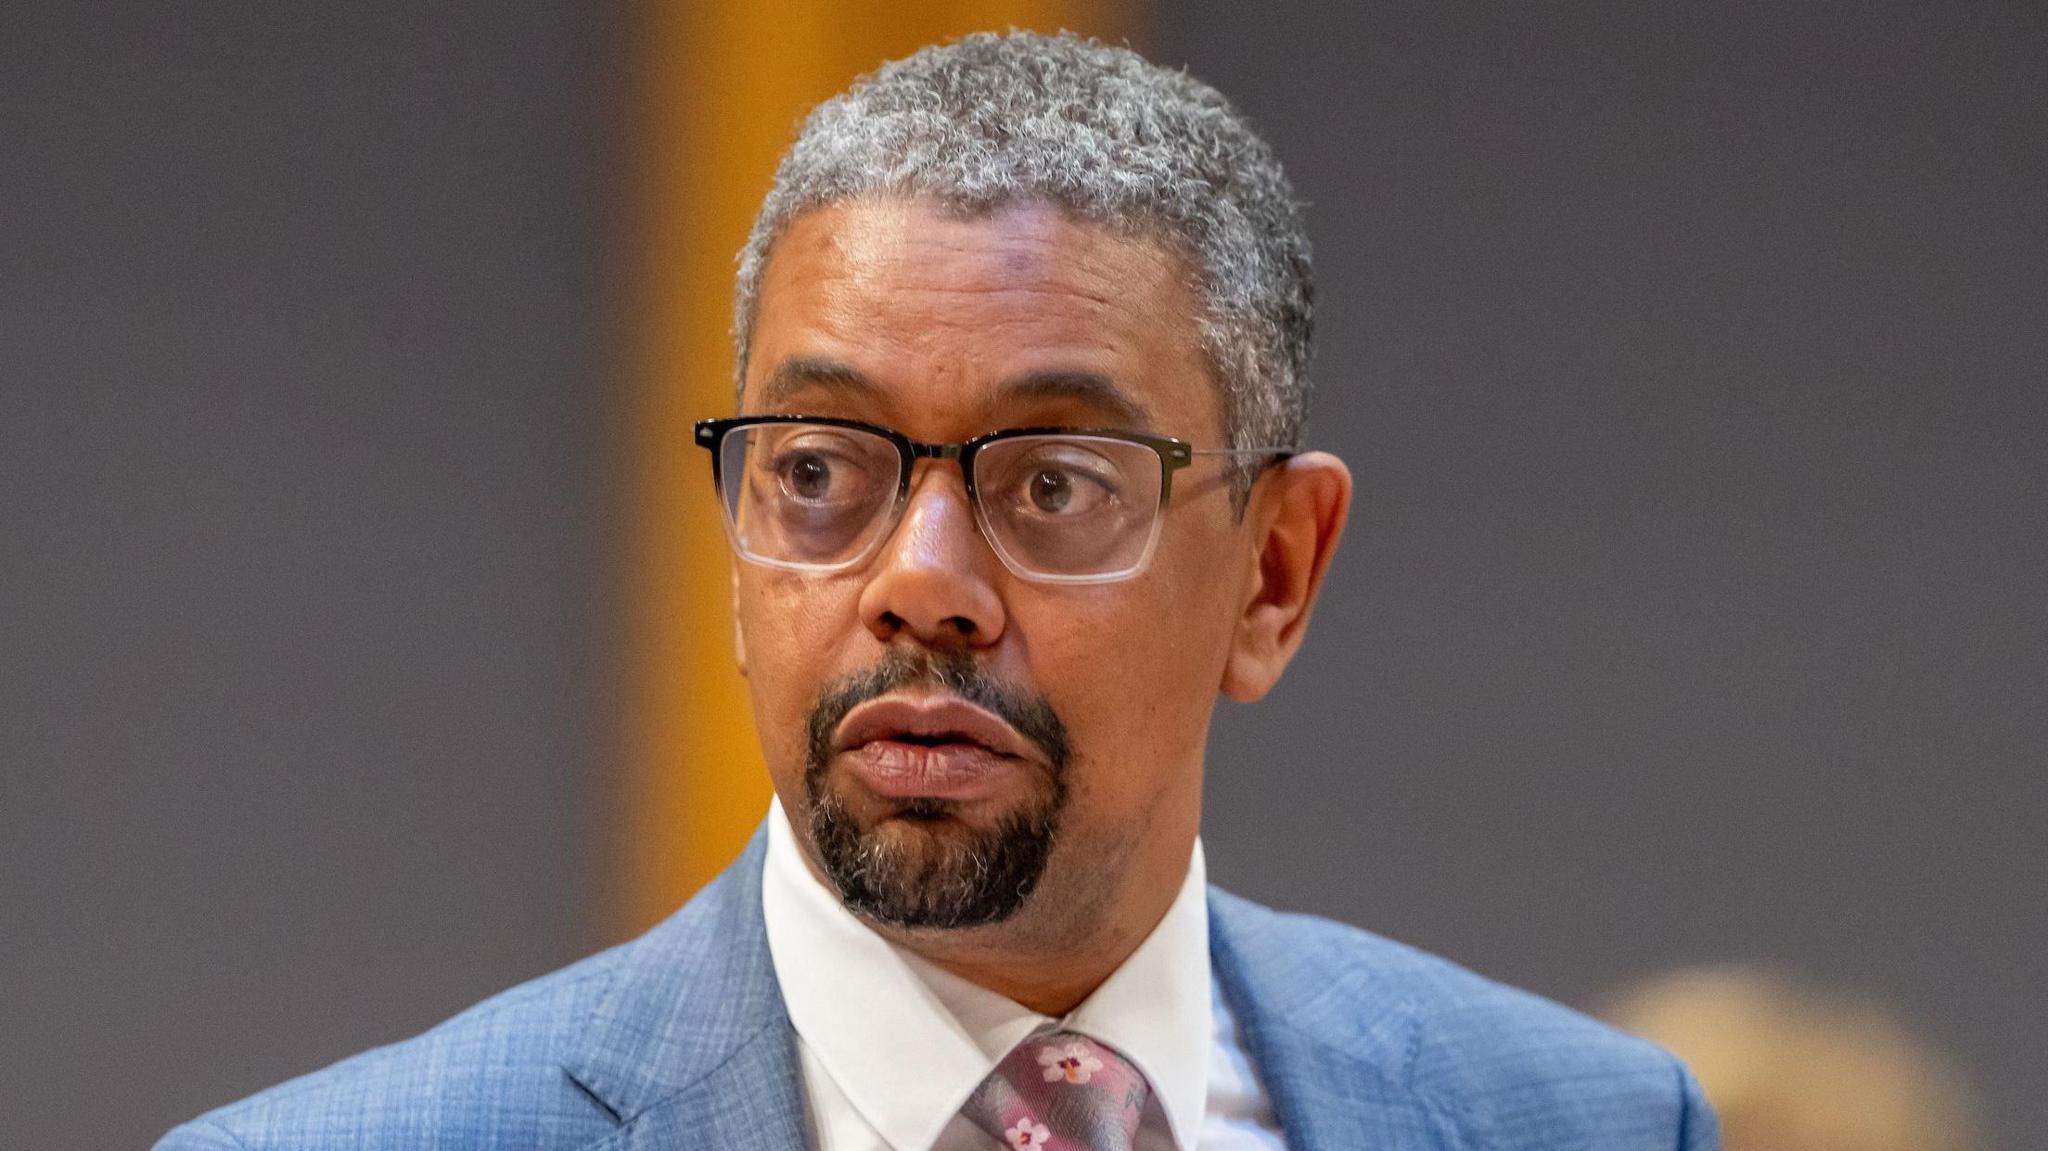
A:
822,496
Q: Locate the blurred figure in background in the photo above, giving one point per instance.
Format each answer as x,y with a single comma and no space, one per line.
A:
1794,1066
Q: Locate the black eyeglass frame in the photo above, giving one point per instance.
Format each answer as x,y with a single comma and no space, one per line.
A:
1174,454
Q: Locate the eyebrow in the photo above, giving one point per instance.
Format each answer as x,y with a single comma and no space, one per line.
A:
793,376
1092,389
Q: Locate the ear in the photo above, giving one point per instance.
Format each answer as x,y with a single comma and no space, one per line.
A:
739,631
1296,516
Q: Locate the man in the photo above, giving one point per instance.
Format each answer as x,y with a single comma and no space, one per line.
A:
1016,491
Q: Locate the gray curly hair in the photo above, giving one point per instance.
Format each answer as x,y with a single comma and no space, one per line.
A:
1112,138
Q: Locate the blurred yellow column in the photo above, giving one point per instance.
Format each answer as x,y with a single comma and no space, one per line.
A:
723,84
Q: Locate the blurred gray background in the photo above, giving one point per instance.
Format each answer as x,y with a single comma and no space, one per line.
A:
1691,360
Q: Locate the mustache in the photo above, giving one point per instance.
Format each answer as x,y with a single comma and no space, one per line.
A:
952,672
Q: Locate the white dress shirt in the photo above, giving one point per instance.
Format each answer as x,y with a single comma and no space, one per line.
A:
891,1046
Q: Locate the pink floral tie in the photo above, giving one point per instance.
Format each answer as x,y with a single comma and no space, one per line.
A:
1061,1092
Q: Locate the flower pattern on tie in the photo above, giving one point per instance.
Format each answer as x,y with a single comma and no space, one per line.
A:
1024,1135
1061,1092
1069,1061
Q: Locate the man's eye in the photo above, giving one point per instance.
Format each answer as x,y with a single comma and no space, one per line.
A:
808,477
1061,491
816,477
1051,490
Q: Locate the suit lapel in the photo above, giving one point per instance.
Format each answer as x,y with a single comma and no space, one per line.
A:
690,1046
753,1102
1331,1055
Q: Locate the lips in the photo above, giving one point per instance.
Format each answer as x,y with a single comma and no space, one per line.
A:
930,747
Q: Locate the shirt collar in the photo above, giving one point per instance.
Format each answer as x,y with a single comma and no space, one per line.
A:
907,1042
1156,1008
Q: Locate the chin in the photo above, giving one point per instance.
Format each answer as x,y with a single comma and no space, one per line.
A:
931,863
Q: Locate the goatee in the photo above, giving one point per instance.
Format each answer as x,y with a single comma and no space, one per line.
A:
933,869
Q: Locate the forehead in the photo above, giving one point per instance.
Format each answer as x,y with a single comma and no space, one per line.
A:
903,310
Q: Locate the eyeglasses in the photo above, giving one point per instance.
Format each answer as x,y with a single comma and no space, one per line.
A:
1059,505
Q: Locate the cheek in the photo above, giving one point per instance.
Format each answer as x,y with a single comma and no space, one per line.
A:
794,632
1185,603
1135,682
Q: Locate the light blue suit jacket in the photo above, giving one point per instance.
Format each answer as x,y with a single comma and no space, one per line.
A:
679,1040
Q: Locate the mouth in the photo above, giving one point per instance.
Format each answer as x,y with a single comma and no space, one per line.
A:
924,747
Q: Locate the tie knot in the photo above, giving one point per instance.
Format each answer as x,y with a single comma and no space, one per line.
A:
1061,1092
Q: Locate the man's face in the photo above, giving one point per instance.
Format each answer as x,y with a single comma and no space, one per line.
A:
958,745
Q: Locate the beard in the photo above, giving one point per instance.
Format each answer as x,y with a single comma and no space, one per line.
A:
923,865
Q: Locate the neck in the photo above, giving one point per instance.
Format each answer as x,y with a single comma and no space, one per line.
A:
1049,987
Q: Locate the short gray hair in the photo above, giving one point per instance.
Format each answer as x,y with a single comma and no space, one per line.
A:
990,119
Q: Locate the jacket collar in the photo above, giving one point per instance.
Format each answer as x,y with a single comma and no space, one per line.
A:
1332,1047
690,1046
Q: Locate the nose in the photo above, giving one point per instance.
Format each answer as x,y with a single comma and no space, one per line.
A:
935,576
